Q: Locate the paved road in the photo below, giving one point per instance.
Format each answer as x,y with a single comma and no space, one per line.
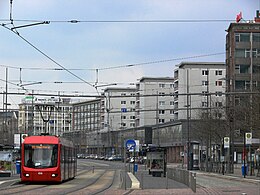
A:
95,175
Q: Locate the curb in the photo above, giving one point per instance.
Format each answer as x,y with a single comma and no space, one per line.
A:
135,182
230,177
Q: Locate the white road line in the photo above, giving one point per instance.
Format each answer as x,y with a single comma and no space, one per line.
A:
1,182
94,163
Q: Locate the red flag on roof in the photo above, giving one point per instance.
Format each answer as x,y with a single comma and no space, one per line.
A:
239,17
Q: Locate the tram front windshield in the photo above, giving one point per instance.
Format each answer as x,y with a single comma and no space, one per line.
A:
40,155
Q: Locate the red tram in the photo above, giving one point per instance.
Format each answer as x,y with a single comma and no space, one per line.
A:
47,159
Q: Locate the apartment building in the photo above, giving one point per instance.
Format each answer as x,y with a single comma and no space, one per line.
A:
243,75
8,127
198,86
154,100
45,115
87,118
119,106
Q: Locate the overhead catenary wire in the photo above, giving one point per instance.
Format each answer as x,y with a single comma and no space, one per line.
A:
44,54
123,66
75,21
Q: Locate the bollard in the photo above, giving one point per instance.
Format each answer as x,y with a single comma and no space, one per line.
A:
142,181
166,180
125,176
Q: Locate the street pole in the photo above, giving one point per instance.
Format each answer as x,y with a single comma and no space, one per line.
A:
244,155
251,98
125,162
188,125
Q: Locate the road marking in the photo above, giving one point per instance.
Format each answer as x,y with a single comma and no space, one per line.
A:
95,163
1,182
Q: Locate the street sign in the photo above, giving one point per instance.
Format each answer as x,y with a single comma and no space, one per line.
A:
123,109
226,142
248,138
130,144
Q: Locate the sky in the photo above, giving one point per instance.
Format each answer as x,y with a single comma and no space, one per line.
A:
91,49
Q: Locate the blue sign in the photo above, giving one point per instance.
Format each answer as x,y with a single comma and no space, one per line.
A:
130,144
123,110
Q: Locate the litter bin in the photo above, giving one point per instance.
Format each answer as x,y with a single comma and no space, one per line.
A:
244,170
135,167
18,166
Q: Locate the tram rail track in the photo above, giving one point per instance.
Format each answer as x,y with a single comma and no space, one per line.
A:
87,182
19,188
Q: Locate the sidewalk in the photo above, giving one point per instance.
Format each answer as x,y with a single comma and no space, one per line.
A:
237,175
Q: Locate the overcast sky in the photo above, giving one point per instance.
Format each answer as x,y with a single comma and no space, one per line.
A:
102,45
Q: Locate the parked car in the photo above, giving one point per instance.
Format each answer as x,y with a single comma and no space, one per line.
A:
80,156
115,158
112,158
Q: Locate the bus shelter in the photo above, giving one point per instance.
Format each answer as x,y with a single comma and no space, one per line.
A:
156,161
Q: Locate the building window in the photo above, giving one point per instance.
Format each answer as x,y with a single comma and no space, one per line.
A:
161,94
161,111
171,111
161,85
218,83
204,104
218,72
123,94
205,72
132,117
242,37
239,84
161,103
218,115
205,83
171,103
256,37
256,69
205,93
242,69
132,102
132,124
240,53
123,102
247,53
123,117
161,120
218,104
171,85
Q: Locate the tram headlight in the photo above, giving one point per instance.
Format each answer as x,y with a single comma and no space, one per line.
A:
54,175
27,175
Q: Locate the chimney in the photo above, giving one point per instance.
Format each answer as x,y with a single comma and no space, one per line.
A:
257,18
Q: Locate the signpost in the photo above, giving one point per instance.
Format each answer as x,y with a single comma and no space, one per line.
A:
130,145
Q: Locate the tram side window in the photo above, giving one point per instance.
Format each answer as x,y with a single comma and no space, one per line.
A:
54,157
29,156
62,154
